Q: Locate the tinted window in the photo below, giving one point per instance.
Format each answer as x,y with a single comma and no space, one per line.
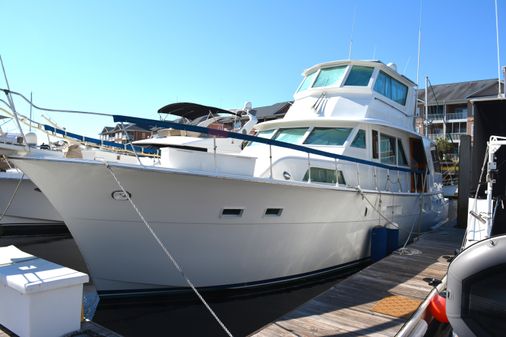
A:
327,136
321,175
401,156
375,153
359,140
293,136
359,76
306,83
387,149
484,302
391,88
262,134
329,76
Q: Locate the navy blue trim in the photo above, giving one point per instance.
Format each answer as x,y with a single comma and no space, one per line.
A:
98,141
150,123
344,268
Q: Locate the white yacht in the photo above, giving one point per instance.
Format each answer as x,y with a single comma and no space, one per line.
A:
218,119
23,207
302,198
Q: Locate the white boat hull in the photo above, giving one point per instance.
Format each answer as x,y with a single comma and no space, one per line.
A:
320,227
29,205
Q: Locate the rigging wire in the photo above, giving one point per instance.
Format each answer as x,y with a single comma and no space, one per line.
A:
8,91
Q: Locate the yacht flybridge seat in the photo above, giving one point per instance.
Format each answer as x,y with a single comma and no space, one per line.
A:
343,160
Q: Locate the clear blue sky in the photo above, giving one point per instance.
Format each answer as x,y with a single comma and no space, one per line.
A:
131,58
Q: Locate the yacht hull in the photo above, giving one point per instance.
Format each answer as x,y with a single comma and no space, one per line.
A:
318,227
29,205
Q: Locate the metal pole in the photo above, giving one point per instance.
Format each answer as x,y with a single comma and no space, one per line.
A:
426,107
490,185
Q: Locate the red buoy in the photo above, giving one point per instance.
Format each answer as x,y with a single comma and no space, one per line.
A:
437,307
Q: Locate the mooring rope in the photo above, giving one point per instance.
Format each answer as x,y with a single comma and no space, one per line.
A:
166,251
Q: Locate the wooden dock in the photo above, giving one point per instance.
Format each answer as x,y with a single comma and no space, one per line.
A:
378,300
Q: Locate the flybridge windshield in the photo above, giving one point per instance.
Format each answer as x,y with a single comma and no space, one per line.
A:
335,76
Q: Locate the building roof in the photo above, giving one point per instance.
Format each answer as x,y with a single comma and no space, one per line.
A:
459,92
273,111
107,129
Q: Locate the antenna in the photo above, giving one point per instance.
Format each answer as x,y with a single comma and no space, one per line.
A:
31,105
498,57
406,65
419,44
352,30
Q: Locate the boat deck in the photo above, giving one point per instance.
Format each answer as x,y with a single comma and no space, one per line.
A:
378,300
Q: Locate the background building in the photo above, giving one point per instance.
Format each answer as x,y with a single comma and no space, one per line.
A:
451,110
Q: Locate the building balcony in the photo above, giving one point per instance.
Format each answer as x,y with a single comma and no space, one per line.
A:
455,136
449,116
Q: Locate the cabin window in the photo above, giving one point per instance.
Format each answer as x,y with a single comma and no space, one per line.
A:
322,175
359,76
307,81
329,76
293,136
387,149
401,156
375,153
328,136
262,134
391,88
359,141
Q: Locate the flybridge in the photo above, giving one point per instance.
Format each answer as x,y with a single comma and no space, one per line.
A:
359,90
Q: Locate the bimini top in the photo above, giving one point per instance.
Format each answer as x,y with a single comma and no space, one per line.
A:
192,111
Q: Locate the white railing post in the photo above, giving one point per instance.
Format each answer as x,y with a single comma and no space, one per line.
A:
337,175
309,167
270,160
214,154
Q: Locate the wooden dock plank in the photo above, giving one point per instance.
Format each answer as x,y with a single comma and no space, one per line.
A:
346,309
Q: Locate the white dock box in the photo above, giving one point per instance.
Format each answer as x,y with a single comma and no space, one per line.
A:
38,298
